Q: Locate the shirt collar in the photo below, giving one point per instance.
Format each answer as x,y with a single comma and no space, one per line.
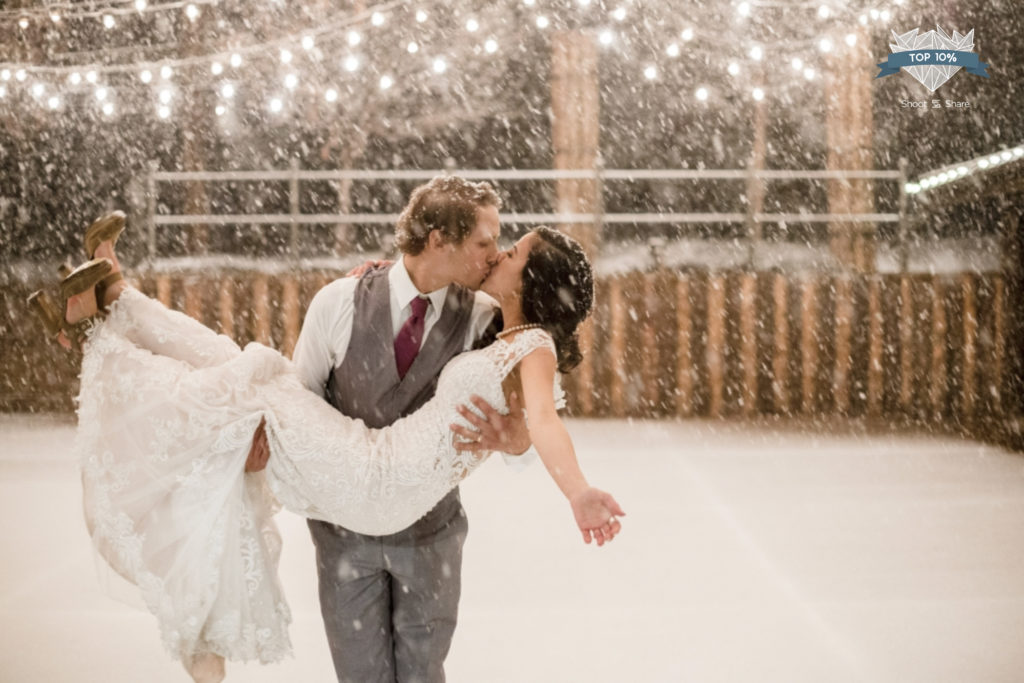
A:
404,290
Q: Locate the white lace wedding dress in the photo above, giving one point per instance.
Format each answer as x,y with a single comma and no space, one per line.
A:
167,412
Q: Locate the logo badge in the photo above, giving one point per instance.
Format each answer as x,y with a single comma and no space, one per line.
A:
933,57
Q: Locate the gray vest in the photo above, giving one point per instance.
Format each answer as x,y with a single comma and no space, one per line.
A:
366,384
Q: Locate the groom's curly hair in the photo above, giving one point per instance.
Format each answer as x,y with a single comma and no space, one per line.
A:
446,203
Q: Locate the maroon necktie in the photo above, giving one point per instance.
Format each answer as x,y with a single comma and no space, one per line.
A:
407,343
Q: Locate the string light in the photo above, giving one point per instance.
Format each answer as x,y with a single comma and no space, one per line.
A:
702,94
650,72
91,76
351,63
734,68
809,73
286,56
377,19
386,82
331,95
619,14
164,112
440,66
758,94
290,81
757,53
472,25
227,91
744,9
825,45
75,78
3,91
542,21
146,76
23,22
140,5
101,94
308,43
354,38
38,89
221,110
192,12
823,12
672,50
166,72
55,17
413,47
687,34
421,16
108,21
5,75
54,102
216,68
166,95
606,37
491,46
236,60
851,39
20,74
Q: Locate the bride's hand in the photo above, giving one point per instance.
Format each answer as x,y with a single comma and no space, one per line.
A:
596,512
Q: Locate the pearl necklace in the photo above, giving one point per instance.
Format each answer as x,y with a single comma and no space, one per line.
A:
516,328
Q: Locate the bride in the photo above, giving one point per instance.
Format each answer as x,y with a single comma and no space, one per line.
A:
168,409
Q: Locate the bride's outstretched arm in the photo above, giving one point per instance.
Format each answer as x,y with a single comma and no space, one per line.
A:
595,510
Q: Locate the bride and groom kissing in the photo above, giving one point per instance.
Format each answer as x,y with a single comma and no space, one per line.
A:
384,409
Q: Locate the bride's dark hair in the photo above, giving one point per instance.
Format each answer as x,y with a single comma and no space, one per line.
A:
558,291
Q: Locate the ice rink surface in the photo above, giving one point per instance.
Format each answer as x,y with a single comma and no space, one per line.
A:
749,553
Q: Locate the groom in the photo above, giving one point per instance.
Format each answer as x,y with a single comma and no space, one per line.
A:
374,347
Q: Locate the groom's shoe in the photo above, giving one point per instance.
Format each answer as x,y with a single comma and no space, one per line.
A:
108,227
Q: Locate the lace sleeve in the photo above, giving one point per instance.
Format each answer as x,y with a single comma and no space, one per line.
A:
510,354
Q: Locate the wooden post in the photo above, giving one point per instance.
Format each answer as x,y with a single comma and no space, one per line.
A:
193,299
195,121
290,314
163,290
970,322
849,130
780,359
748,334
999,343
940,379
617,347
844,330
651,357
684,353
575,102
585,371
261,310
716,343
808,343
226,307
875,346
906,342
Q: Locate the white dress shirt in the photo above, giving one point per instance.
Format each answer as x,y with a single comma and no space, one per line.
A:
327,329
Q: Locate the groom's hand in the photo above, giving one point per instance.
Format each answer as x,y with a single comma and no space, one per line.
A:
496,432
259,452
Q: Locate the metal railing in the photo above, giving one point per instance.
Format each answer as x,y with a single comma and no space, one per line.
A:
294,176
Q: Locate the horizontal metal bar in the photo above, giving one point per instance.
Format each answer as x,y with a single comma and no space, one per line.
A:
554,218
520,174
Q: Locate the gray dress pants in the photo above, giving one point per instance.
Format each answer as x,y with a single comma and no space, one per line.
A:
390,603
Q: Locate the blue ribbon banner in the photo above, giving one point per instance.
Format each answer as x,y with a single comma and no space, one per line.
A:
899,60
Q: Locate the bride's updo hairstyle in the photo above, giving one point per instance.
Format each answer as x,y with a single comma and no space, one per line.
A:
558,291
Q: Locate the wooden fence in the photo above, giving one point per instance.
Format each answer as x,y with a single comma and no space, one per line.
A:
666,343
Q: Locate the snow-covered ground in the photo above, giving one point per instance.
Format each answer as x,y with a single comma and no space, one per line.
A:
749,553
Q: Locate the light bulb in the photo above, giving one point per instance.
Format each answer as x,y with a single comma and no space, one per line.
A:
386,82
164,112
672,50
650,72
236,60
227,91
757,53
413,47
351,63
108,21
472,25
101,94
606,37
687,34
192,12
542,21
286,56
734,68
146,76
308,42
421,16
166,72
440,65
758,94
91,76
354,38
331,95
290,81
491,45
377,19
216,68
702,94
